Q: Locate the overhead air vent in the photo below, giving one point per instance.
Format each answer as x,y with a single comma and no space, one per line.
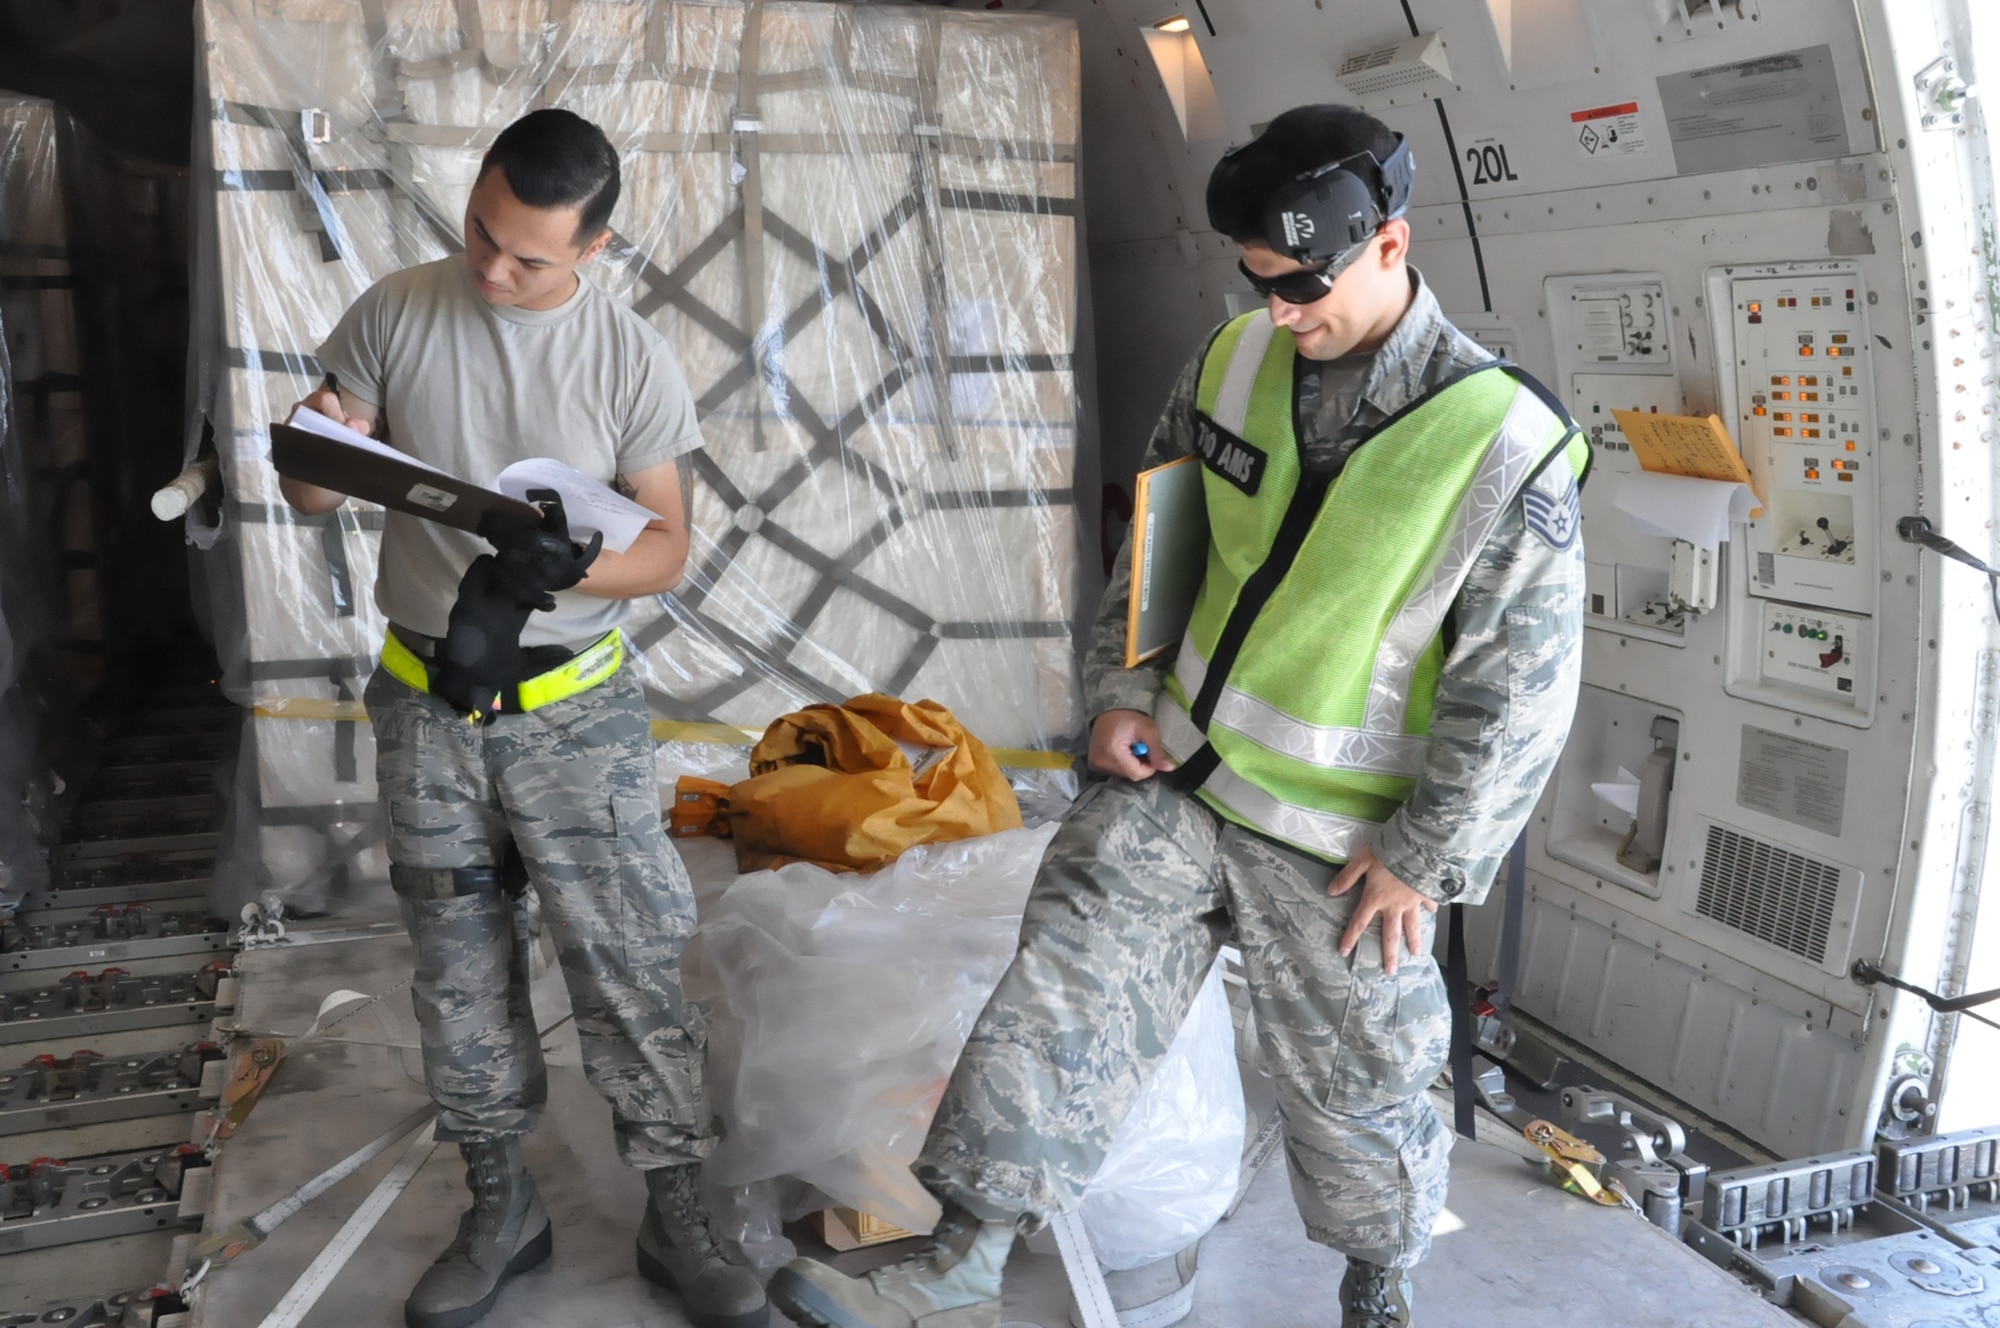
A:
1682,19
1405,72
1761,889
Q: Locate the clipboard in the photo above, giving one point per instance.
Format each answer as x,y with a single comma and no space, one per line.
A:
379,474
1169,557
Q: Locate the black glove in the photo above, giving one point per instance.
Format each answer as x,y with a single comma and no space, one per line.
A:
533,562
481,653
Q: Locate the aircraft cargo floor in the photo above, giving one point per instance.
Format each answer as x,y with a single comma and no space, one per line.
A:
1512,1252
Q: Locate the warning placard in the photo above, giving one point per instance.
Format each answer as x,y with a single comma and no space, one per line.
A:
1608,131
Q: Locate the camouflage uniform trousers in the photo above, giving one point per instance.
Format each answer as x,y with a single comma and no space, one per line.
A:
1139,889
573,787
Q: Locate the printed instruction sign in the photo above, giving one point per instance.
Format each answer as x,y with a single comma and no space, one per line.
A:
1793,779
1608,131
1762,112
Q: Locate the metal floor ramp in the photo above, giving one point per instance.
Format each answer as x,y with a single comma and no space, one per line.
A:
1513,1251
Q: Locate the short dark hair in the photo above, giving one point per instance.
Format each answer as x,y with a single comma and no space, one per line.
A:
557,159
1301,139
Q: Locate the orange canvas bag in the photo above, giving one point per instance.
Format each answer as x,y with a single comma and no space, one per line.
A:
836,786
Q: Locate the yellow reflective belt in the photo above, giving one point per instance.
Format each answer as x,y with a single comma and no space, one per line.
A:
403,664
581,672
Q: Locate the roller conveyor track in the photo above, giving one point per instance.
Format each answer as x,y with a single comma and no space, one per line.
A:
98,1311
107,934
49,1201
81,1004
51,1092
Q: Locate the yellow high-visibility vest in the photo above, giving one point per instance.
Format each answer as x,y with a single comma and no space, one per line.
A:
1300,703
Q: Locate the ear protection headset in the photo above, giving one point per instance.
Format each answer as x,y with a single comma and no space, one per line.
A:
1330,209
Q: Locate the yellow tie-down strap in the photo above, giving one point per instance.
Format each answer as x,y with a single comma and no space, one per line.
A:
730,735
1576,1164
582,673
310,707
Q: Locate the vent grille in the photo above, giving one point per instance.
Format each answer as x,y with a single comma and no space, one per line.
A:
1416,64
1367,60
1778,896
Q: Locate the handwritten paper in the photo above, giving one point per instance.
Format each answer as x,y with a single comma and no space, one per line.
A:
311,421
590,507
1696,446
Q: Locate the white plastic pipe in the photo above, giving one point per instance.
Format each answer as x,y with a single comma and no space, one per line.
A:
176,497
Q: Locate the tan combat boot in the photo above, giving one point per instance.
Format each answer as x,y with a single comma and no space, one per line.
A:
679,1249
504,1232
954,1282
1372,1296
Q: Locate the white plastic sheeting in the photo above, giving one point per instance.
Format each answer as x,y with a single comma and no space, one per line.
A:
1172,1171
839,1003
856,226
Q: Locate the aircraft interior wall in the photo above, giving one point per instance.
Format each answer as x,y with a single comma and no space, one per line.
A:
1756,210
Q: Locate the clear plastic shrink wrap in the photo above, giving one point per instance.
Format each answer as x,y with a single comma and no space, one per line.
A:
1172,1171
856,227
40,434
838,1005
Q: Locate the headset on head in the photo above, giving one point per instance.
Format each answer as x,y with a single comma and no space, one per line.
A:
1328,210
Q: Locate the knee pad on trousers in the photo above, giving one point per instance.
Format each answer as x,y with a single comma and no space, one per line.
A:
508,877
429,883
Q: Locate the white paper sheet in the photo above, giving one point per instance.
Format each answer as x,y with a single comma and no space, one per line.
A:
590,507
311,421
1678,507
1622,793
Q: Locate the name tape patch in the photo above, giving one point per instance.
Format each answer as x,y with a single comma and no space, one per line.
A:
1241,463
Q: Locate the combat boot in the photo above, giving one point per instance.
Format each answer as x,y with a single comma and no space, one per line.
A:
954,1282
505,1232
679,1249
1372,1296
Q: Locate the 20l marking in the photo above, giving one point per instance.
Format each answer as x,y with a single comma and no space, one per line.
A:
1489,164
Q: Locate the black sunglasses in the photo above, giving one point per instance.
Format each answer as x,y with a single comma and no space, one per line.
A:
1308,285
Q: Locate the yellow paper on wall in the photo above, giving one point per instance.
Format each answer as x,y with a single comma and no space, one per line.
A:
1697,446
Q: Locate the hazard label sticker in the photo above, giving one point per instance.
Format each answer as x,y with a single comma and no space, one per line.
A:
1608,131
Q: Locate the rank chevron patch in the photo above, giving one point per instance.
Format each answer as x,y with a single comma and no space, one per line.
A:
1555,521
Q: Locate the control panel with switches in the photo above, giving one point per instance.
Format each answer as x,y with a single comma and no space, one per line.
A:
1801,405
1805,420
1614,351
1817,651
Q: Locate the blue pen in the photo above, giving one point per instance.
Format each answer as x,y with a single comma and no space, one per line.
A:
1141,750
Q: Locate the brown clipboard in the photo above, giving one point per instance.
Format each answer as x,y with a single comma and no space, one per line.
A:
405,486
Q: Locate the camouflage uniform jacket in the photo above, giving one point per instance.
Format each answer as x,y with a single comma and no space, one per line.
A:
1509,683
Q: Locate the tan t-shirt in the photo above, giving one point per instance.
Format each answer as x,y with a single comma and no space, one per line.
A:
472,388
